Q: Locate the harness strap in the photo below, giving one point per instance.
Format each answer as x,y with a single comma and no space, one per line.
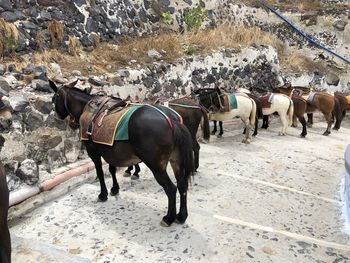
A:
161,112
178,115
183,105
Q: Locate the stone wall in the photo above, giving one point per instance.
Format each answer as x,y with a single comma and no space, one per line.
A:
37,142
90,20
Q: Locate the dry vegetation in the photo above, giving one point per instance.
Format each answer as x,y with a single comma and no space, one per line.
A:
171,46
8,37
74,46
56,30
297,62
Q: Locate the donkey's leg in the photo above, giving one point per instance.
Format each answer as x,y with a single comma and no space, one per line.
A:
338,119
221,129
247,138
103,196
310,119
115,187
215,129
162,177
256,126
136,175
196,147
265,124
303,123
295,123
329,120
182,185
284,124
127,172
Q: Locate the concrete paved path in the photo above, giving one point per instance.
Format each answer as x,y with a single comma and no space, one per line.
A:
275,200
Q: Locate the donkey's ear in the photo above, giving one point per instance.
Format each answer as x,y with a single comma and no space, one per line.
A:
88,90
53,86
72,84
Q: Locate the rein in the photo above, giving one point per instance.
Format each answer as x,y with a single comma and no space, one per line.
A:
211,100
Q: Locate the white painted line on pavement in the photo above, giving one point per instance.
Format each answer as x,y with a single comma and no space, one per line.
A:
285,233
256,181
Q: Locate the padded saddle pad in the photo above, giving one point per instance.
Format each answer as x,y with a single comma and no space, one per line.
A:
310,98
266,100
229,102
107,127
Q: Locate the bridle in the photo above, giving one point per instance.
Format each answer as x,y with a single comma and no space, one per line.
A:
73,122
212,105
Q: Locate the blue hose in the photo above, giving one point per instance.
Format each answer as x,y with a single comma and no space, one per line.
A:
304,35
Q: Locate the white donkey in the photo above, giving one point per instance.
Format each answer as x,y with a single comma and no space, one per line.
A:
280,103
244,107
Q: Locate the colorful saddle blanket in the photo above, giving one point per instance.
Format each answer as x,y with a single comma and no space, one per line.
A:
107,127
266,100
310,98
229,102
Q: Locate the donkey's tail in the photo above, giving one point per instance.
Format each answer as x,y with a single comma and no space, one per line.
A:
252,113
205,125
290,112
183,141
336,113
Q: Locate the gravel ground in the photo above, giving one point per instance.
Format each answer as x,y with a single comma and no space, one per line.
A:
274,200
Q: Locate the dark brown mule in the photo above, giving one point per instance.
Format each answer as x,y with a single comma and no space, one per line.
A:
5,240
192,114
153,139
340,108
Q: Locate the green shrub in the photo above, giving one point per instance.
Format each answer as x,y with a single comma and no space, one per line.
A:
190,50
195,17
167,18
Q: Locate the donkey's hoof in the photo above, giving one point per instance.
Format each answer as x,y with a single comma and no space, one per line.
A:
180,219
127,174
254,134
336,128
281,134
102,197
114,190
302,135
166,222
212,133
246,141
135,177
326,133
219,136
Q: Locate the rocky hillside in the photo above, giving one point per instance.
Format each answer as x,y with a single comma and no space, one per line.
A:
152,51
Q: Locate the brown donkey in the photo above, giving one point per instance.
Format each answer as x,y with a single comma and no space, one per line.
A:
5,241
325,103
